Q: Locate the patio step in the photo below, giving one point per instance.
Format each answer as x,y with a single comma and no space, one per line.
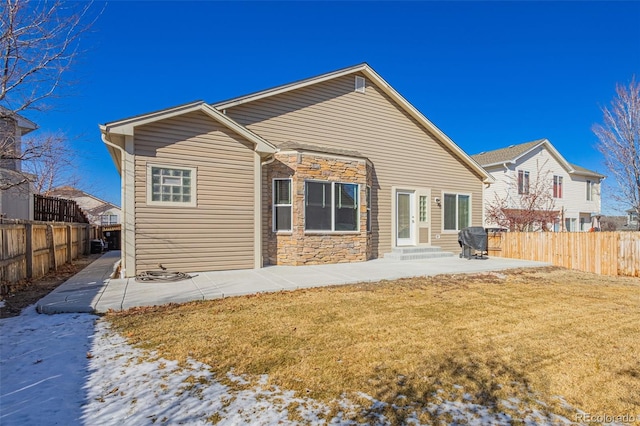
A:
416,253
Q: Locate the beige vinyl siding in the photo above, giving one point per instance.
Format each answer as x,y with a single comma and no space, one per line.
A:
403,152
218,233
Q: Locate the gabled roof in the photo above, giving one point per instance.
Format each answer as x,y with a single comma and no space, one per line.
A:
24,124
368,72
513,153
582,171
126,126
70,192
509,154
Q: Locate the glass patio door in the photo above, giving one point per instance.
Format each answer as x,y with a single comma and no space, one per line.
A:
405,218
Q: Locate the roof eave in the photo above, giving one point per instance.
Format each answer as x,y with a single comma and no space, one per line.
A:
127,126
287,87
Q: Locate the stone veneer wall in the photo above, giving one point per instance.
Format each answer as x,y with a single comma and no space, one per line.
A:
315,247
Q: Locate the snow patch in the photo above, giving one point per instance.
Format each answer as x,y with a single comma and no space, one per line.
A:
73,369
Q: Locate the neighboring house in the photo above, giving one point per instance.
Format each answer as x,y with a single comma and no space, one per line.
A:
632,219
99,212
16,190
575,190
335,168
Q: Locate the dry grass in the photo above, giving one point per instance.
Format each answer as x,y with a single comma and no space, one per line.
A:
530,334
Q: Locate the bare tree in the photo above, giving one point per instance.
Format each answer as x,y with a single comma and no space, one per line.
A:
528,205
39,41
619,143
54,166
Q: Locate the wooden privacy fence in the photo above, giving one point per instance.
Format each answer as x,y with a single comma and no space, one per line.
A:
607,253
29,250
52,209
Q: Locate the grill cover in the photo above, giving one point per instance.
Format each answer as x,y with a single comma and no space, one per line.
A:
474,237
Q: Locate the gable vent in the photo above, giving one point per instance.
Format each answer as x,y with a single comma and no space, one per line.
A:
360,87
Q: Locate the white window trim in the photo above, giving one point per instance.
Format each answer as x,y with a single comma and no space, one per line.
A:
109,216
368,211
590,190
274,205
333,209
559,180
194,180
525,173
360,84
455,231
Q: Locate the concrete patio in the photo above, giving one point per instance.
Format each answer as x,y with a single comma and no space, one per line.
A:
93,291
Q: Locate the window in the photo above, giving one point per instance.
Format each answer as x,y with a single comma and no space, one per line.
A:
523,182
589,190
570,224
457,211
557,187
422,208
368,209
108,219
282,207
331,206
171,186
360,84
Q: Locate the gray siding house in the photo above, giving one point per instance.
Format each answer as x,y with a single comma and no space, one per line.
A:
334,168
16,189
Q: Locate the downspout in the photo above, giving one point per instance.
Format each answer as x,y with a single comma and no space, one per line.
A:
259,262
122,231
111,144
268,161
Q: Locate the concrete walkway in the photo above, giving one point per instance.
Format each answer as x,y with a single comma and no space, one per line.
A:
92,291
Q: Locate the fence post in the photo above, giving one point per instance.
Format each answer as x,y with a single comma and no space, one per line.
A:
28,230
51,242
69,244
87,239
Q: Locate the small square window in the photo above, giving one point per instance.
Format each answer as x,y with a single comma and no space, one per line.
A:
170,186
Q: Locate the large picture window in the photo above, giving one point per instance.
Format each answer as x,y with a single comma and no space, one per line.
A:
457,211
282,212
171,185
331,206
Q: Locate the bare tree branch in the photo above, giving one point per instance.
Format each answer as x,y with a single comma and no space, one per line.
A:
55,164
533,209
619,143
39,41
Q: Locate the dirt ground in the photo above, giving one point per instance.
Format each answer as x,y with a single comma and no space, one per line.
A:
29,292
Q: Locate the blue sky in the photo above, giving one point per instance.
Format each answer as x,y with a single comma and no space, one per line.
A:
489,74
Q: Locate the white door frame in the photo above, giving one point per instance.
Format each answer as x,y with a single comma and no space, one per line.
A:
411,239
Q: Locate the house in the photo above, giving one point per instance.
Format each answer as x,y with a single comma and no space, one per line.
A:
16,190
334,168
632,219
99,212
574,190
